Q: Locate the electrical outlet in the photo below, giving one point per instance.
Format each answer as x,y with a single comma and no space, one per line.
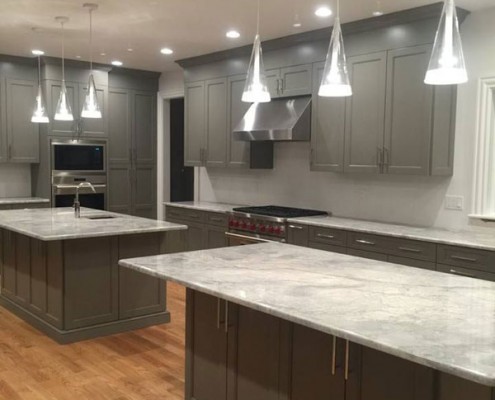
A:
454,203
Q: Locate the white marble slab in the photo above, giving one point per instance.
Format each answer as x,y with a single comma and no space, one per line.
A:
470,238
6,201
204,206
60,224
442,321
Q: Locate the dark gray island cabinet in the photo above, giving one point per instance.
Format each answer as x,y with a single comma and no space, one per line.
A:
61,274
280,322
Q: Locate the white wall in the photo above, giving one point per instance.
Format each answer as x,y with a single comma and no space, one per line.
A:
15,180
402,199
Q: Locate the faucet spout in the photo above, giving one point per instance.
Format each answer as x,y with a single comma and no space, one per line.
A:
77,204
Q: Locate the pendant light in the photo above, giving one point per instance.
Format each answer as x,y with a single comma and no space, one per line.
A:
91,108
39,114
447,65
256,89
335,81
63,112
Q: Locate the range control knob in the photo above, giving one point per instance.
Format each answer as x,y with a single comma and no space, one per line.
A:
243,225
262,228
252,227
235,223
278,230
271,229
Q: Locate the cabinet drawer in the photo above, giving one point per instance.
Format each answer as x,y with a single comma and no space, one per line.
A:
466,258
327,235
217,219
298,235
410,262
184,214
327,247
367,254
470,273
412,249
368,242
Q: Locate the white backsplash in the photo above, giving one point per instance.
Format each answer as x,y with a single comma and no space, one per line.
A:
15,180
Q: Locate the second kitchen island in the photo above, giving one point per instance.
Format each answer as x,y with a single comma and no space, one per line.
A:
277,322
61,273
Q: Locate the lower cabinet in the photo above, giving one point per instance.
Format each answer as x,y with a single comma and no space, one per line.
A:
236,353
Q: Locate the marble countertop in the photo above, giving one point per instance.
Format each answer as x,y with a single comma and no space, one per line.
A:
204,206
22,200
442,321
60,224
479,239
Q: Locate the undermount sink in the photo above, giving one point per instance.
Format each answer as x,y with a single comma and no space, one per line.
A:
100,216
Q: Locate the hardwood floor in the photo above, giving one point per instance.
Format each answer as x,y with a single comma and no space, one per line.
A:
144,364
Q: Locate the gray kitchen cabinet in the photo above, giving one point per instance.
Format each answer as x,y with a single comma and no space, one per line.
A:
195,236
408,122
215,237
22,134
216,123
237,150
290,81
273,82
298,235
194,124
3,129
365,112
131,152
367,254
327,128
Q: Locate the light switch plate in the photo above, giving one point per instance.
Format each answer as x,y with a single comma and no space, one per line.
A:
454,203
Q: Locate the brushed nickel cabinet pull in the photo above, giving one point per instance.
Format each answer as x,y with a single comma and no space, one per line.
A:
334,350
379,158
218,313
323,236
410,249
467,274
346,372
226,317
386,157
366,242
296,227
461,258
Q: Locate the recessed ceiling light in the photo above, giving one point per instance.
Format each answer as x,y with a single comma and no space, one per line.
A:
377,13
323,12
103,54
233,34
130,49
297,25
166,51
117,63
78,56
38,52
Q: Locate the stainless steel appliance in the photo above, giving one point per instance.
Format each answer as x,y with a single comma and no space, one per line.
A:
249,225
74,162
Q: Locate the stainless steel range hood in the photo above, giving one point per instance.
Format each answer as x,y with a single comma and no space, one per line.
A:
278,120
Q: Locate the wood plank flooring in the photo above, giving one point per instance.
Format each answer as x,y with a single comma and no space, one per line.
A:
144,364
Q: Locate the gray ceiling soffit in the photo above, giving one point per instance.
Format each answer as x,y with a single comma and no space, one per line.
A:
363,25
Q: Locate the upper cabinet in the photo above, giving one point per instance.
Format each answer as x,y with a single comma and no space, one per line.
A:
237,151
290,81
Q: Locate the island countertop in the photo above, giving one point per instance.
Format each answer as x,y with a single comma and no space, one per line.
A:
22,200
441,321
49,224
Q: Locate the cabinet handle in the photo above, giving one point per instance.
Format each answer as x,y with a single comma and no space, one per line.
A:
10,151
218,313
346,371
278,86
460,258
379,158
386,157
467,274
410,250
321,235
194,216
282,85
311,157
296,227
226,317
366,242
334,350
216,219
131,160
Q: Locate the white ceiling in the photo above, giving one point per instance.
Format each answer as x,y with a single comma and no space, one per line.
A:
190,27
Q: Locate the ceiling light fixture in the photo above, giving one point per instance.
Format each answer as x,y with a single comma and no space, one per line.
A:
117,63
255,88
335,82
447,65
91,108
297,22
39,114
378,10
377,13
323,12
233,34
63,112
166,51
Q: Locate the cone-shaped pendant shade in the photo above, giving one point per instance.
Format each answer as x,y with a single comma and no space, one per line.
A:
335,82
256,89
63,112
91,108
447,65
39,114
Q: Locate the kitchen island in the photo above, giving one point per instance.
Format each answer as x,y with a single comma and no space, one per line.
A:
275,321
61,273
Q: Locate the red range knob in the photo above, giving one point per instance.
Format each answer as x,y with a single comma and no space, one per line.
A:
271,229
235,223
262,228
243,225
252,227
231,222
277,230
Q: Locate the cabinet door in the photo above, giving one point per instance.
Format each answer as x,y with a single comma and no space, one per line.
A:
119,188
195,236
327,133
144,124
194,124
216,122
273,82
297,80
317,366
237,150
62,128
119,126
23,135
365,113
453,388
144,191
90,126
3,128
408,121
215,237
298,235
206,348
374,375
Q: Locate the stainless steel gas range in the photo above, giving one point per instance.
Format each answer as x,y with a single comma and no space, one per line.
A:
249,225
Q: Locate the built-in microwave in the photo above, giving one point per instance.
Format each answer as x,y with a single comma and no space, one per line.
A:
78,157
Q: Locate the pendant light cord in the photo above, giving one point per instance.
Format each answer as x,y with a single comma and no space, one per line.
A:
91,40
258,20
338,10
63,53
39,70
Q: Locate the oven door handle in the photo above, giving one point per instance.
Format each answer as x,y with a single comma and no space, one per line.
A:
244,237
76,186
